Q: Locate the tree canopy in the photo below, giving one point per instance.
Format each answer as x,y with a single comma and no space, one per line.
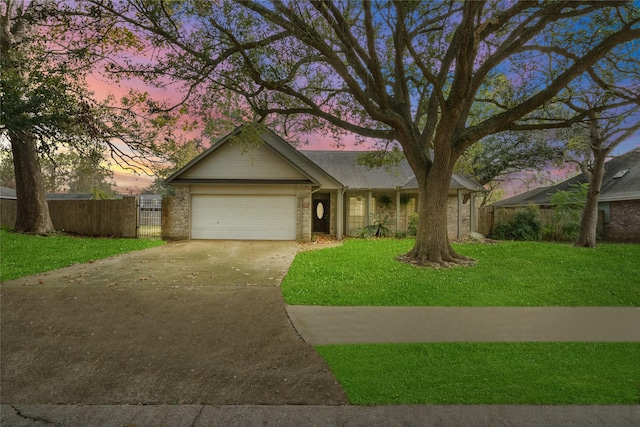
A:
431,77
46,52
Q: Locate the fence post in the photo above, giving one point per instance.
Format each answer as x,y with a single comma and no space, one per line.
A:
130,216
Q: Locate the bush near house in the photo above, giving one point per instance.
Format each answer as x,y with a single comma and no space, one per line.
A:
524,225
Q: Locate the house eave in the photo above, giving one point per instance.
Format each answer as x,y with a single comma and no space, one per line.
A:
186,181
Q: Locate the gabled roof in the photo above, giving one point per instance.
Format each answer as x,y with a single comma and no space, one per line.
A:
621,182
343,165
327,169
276,145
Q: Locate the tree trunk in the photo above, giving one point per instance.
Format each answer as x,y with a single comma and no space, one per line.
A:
589,221
432,245
32,208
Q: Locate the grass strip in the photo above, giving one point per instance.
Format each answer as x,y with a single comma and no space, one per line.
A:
23,255
487,373
365,272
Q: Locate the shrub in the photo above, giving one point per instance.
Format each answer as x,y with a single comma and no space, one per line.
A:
379,228
567,213
412,226
525,225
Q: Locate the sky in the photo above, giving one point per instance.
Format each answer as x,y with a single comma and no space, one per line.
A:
130,183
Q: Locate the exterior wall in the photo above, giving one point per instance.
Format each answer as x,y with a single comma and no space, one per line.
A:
176,210
624,223
333,213
304,205
385,203
175,215
452,217
230,162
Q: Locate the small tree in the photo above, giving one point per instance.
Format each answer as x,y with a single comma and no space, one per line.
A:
567,209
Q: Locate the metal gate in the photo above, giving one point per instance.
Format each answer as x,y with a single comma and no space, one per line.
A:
149,216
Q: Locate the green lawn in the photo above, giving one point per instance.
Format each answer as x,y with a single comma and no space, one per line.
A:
494,373
365,272
24,255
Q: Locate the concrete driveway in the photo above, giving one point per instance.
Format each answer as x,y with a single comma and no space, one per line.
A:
198,322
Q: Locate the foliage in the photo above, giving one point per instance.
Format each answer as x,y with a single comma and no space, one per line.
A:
567,210
524,225
412,226
487,373
379,228
384,200
431,77
405,199
67,172
47,51
174,155
497,156
530,274
24,255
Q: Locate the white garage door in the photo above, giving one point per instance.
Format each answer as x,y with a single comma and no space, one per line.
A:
243,217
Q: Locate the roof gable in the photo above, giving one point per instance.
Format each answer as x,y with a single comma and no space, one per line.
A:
272,161
277,161
230,161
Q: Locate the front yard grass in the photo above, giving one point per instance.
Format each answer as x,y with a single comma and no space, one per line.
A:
488,373
23,255
365,272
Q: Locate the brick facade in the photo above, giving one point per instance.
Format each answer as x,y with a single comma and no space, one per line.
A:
303,216
624,223
175,215
385,204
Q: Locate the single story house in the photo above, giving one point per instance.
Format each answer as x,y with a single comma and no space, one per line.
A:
273,191
618,203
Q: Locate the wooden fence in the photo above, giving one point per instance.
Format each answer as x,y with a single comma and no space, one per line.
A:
490,216
105,218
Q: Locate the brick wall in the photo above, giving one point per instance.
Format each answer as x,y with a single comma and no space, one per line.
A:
624,223
175,215
303,213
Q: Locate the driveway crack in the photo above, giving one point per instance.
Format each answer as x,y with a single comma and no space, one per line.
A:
195,420
35,419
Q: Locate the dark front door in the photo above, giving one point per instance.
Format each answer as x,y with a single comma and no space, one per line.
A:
320,214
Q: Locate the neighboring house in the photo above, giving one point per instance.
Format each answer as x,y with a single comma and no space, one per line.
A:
7,193
275,192
618,203
69,196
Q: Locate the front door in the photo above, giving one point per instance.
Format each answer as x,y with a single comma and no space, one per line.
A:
320,214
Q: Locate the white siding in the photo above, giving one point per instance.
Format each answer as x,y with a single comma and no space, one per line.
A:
228,162
243,217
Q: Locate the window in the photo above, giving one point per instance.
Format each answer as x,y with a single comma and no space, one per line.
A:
356,212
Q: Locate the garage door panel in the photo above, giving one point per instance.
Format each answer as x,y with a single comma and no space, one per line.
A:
247,217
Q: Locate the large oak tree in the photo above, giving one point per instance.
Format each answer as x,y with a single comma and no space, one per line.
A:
46,51
413,73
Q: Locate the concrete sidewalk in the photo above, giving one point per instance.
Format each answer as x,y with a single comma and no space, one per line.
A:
315,416
320,325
